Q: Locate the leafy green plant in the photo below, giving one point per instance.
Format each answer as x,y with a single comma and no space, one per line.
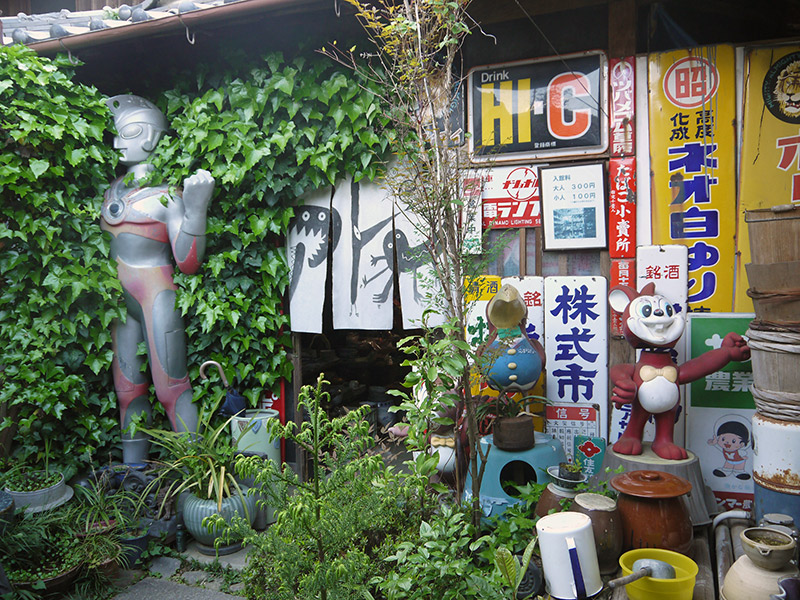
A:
98,508
331,532
433,379
511,568
513,528
416,46
58,288
441,562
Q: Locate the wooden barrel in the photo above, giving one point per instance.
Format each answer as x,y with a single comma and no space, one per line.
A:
774,234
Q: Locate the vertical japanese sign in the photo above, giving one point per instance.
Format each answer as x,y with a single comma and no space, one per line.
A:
622,81
623,272
622,207
693,148
770,168
576,326
511,198
719,412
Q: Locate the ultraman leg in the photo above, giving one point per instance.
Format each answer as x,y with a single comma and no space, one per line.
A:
131,387
167,349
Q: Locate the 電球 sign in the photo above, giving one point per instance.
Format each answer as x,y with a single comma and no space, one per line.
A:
539,108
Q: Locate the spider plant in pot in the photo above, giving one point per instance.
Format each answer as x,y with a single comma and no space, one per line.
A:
100,508
198,468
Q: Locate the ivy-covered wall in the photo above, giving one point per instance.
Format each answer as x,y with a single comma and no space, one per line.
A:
268,129
58,288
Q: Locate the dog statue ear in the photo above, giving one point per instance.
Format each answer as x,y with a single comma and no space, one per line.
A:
620,296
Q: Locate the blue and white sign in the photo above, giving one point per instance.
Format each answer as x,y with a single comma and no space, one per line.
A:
576,334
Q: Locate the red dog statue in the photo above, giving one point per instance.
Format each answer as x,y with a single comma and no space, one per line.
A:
651,323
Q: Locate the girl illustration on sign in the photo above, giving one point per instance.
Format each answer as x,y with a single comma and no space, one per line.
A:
732,438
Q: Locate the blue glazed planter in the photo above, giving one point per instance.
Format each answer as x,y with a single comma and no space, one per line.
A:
196,509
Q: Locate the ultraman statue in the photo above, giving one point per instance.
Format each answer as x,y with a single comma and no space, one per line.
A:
149,227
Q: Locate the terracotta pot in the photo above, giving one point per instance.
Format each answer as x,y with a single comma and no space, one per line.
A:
606,525
654,514
514,433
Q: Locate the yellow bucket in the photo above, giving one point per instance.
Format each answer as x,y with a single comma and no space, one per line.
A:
647,588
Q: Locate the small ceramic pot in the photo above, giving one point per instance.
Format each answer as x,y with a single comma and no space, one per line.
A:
768,548
606,526
654,514
553,497
514,433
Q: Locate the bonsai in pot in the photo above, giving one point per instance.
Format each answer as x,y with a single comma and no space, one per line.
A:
567,475
511,424
198,469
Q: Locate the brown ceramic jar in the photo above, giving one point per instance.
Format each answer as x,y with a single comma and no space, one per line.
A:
654,513
606,526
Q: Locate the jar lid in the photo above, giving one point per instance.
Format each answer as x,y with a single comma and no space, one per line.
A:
651,484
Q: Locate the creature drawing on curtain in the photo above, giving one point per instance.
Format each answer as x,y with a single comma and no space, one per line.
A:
314,229
409,260
360,239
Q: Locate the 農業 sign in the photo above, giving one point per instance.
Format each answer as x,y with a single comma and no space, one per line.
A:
539,108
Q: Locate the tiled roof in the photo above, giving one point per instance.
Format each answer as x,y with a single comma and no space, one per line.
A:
90,26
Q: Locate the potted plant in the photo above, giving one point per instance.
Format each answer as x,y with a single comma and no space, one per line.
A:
567,475
198,469
104,554
40,551
36,489
512,425
102,508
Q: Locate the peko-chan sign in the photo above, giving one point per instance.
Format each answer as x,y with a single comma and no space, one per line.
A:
539,108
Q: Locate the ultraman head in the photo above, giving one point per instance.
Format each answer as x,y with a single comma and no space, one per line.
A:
649,320
139,124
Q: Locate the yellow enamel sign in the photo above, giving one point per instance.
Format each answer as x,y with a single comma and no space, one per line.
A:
770,173
692,145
